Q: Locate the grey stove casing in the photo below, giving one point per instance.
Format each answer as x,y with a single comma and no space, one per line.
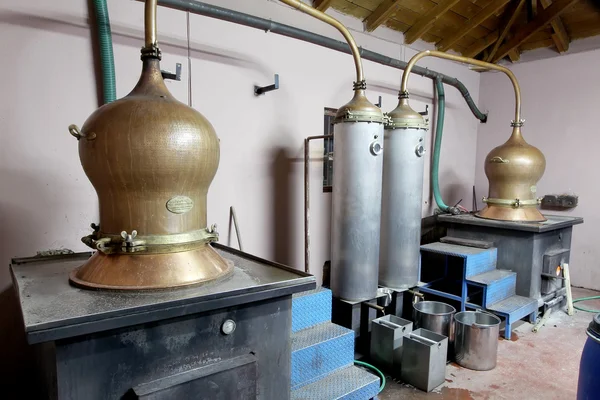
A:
527,248
161,344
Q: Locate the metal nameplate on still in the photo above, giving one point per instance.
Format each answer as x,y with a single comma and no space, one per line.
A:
180,204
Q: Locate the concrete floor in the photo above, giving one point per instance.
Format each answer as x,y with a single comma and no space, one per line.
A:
543,365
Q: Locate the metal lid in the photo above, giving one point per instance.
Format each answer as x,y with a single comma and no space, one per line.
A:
403,116
594,327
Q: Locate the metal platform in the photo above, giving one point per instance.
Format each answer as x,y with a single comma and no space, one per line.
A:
553,222
177,343
513,309
323,354
311,308
53,309
491,277
319,350
349,383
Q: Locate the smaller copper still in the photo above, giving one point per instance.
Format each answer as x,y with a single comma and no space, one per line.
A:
151,160
514,168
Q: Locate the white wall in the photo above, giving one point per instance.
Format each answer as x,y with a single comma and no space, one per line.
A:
560,106
49,82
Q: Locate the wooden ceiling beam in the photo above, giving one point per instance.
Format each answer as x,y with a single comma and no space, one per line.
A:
510,16
543,19
322,5
481,44
482,15
381,14
426,22
560,37
514,55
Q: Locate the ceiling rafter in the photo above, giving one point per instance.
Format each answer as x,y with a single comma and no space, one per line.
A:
322,5
514,55
381,14
481,44
560,37
424,23
482,15
543,18
509,18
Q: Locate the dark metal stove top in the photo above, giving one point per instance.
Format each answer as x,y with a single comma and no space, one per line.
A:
53,309
553,222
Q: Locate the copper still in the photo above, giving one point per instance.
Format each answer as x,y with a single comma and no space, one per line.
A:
513,168
151,160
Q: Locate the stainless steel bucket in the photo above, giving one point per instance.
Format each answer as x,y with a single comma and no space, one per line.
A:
435,317
476,340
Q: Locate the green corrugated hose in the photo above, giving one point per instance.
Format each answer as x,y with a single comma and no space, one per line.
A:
107,62
381,375
583,308
439,130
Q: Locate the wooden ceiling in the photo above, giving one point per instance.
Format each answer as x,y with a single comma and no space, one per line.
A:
490,30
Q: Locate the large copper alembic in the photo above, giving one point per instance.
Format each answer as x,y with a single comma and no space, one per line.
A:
514,168
151,160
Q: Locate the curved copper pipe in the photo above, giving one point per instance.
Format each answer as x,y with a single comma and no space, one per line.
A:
336,24
466,60
150,23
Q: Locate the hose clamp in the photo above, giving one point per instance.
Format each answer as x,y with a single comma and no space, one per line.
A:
516,203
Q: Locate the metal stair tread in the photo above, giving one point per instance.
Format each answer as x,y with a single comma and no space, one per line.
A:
512,304
311,308
453,249
317,334
490,277
310,292
348,383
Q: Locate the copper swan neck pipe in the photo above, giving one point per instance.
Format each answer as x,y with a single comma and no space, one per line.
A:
439,54
150,23
360,77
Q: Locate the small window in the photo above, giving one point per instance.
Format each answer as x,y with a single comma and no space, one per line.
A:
328,149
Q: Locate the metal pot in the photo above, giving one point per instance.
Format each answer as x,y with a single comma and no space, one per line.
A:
435,317
476,340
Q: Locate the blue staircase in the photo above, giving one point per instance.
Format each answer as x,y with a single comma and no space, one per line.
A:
323,354
477,269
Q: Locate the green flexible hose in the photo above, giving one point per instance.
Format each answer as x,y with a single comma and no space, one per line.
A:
107,61
583,308
364,364
439,130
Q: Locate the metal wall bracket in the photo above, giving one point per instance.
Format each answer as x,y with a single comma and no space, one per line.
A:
426,112
380,103
258,90
172,76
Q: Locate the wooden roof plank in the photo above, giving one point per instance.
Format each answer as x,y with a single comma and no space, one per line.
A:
481,16
381,14
322,5
560,37
422,26
543,18
510,17
481,44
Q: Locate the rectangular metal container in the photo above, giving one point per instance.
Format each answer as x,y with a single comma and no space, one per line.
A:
424,359
387,334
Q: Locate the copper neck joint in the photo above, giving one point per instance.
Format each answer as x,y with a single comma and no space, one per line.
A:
150,49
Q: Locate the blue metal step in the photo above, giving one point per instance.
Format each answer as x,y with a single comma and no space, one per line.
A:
498,284
513,309
349,383
319,350
476,261
310,308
